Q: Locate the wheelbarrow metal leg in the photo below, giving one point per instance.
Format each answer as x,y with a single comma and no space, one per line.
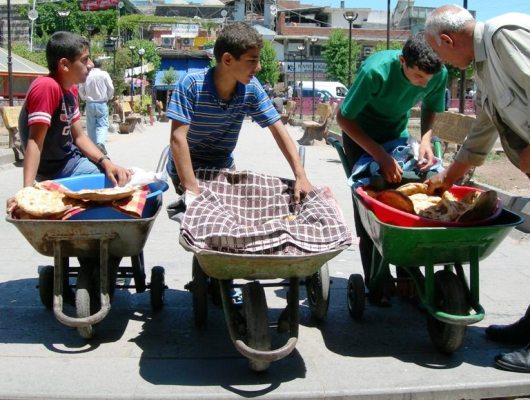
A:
58,288
241,346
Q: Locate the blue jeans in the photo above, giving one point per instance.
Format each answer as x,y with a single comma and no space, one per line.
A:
78,165
97,121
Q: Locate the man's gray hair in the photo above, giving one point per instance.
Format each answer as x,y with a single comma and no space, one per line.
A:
447,19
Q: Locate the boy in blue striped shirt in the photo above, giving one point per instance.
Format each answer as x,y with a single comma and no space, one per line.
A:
207,110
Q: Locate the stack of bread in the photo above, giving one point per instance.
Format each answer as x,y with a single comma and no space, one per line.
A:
414,198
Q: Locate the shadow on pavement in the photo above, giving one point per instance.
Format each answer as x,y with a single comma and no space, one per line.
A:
399,331
175,352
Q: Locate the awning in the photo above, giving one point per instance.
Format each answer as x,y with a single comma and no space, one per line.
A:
20,66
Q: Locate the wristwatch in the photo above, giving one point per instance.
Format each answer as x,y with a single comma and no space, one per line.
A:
103,157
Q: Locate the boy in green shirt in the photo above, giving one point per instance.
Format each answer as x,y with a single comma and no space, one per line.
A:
377,109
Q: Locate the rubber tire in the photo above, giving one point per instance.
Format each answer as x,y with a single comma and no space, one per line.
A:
46,286
356,296
257,321
200,294
317,288
82,301
157,287
449,296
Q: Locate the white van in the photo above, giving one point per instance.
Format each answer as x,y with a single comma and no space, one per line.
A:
337,89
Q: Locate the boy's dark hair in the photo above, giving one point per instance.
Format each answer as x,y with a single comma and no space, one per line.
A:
417,53
64,45
236,38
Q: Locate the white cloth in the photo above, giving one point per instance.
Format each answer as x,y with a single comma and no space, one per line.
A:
98,87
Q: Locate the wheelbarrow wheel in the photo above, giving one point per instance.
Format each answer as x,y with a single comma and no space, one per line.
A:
199,292
450,297
255,310
317,287
215,291
46,285
356,296
157,288
82,301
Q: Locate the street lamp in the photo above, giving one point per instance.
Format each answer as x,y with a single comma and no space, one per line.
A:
301,49
141,53
313,41
350,16
90,29
132,47
32,15
114,40
63,14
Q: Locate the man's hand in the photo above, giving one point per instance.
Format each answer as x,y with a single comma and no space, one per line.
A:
301,185
524,160
390,169
437,183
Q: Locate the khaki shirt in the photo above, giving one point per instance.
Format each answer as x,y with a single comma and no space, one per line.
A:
502,57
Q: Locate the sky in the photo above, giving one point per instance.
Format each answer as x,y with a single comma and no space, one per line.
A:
485,8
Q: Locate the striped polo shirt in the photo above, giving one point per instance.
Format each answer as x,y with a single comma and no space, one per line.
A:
215,125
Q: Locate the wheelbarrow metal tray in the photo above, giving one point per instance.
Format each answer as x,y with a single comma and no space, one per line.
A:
82,238
221,265
412,246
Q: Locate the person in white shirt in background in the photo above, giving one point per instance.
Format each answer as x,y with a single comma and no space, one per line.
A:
96,92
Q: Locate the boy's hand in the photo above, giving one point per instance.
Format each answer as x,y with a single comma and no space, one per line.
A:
390,169
426,157
301,185
119,176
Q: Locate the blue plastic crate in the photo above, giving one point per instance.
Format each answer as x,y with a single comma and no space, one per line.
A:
99,181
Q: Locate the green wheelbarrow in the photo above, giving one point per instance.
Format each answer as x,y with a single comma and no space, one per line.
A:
434,258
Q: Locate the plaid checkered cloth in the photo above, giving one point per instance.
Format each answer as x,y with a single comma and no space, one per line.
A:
249,213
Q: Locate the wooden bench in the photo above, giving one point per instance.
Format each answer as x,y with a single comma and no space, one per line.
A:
317,130
128,119
10,117
452,128
287,115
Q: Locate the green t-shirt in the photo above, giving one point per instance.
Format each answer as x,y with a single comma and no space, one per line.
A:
381,96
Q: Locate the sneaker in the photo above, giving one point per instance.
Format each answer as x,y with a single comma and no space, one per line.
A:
101,146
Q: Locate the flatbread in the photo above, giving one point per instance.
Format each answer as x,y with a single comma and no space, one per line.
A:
102,195
396,199
413,188
41,203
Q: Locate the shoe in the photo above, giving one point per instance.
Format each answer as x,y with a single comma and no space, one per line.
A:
516,361
516,333
101,146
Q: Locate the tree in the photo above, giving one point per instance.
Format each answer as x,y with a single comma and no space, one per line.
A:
335,52
169,78
269,64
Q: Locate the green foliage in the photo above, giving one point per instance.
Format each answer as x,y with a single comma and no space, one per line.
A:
393,45
336,52
269,64
77,21
454,73
142,106
22,50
